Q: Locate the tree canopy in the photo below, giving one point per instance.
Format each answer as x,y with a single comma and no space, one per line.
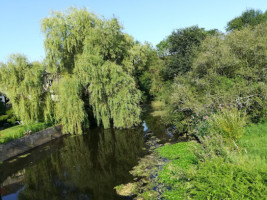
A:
93,73
249,17
180,48
229,71
93,63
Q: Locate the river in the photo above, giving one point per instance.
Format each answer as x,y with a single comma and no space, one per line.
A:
84,167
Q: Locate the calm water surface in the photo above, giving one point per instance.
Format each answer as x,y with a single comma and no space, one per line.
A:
85,167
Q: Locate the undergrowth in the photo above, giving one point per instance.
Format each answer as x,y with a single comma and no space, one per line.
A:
216,169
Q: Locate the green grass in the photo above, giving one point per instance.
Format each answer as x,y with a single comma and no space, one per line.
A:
181,158
173,151
217,177
214,169
16,132
179,154
255,141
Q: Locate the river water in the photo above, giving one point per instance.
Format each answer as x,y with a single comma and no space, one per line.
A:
84,167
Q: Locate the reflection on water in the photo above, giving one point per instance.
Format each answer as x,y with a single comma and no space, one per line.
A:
78,167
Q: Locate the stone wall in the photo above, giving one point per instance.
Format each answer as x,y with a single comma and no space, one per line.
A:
21,145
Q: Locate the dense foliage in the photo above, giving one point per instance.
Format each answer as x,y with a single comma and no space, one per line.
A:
250,17
22,82
8,118
214,169
229,71
223,89
180,48
93,73
91,60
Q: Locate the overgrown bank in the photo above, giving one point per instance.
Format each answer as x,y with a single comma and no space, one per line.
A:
214,169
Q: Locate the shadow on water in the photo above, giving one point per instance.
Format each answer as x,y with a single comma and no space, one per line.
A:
78,167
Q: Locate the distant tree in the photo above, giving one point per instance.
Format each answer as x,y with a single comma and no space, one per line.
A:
249,17
180,48
147,69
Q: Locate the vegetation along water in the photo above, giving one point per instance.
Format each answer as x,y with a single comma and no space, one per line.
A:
201,96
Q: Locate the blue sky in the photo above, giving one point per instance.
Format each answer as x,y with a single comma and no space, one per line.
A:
145,20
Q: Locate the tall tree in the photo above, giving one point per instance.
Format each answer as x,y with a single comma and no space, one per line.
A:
180,48
91,62
249,17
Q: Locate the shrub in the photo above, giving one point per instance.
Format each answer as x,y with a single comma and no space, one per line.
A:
217,179
3,118
229,123
222,174
211,147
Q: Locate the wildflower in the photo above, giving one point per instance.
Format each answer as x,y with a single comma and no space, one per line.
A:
205,117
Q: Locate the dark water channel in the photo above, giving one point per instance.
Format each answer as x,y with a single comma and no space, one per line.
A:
85,167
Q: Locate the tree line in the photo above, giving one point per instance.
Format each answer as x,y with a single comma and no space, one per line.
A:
207,71
95,74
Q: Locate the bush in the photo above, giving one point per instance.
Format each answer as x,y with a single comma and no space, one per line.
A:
211,147
9,119
229,123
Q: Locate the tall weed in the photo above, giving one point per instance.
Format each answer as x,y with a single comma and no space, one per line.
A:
229,123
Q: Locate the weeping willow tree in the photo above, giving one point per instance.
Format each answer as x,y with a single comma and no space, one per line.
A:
92,66
71,104
92,73
22,82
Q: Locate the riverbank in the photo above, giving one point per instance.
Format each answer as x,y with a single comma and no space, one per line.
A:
213,169
23,144
19,131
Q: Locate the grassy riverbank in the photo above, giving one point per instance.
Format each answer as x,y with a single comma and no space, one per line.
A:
214,169
229,176
16,132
